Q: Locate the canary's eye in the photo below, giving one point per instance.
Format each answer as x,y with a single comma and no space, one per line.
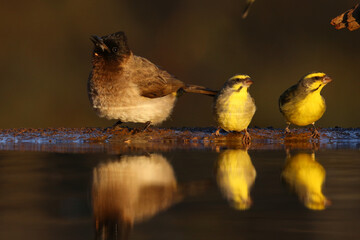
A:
114,49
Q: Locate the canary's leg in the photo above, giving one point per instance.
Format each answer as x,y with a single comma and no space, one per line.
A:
217,133
315,133
247,138
287,129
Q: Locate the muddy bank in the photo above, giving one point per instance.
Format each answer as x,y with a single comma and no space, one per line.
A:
160,139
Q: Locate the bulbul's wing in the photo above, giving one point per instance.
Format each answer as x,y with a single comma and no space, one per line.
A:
151,81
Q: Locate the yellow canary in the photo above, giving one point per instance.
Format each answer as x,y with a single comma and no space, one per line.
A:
302,103
234,107
306,176
235,175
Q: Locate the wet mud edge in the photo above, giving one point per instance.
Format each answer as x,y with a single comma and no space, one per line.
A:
125,139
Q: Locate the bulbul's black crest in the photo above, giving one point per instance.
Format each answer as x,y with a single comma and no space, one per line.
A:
111,46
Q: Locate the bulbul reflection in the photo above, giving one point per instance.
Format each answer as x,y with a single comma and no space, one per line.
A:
306,176
133,189
235,175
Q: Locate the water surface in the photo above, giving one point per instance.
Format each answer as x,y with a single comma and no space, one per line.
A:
181,194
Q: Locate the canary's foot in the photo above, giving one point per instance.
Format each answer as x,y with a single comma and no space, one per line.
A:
287,129
217,133
315,134
246,138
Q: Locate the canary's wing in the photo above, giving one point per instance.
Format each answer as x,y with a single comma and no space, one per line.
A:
349,19
287,96
152,81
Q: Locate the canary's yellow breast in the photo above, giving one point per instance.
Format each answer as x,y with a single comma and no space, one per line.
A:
235,176
234,110
306,176
304,111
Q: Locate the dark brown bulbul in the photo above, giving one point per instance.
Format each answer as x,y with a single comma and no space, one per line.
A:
130,88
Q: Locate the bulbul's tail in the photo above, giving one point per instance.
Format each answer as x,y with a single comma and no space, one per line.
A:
199,89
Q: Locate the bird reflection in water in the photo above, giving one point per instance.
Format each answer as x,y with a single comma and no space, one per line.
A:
306,176
133,189
235,175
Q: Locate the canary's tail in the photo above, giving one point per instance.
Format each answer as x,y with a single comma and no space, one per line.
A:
199,89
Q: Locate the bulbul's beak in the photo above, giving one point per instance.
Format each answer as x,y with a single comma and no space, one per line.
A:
98,42
326,79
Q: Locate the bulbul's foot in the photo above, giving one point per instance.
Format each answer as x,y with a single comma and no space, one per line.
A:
113,127
147,125
144,129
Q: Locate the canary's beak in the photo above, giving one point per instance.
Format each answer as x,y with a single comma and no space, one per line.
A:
98,42
326,79
248,82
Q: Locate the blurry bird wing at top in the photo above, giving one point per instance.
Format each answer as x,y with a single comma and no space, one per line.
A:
349,19
249,3
153,82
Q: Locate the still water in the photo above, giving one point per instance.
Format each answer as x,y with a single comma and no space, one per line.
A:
181,194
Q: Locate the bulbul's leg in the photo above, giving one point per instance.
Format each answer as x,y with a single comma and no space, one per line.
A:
118,123
147,125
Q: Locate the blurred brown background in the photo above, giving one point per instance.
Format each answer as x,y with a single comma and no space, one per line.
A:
45,55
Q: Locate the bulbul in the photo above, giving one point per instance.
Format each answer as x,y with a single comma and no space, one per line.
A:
129,88
302,103
234,107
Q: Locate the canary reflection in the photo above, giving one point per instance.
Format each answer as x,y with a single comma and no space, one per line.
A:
306,176
130,190
235,174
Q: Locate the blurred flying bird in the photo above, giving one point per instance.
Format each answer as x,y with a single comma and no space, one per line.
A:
302,103
249,3
130,88
349,19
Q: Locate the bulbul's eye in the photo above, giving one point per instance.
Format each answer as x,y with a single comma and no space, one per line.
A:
114,49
